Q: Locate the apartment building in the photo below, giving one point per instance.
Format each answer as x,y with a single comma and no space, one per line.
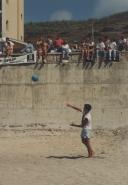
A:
12,19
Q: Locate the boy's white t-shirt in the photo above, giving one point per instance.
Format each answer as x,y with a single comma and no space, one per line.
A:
89,125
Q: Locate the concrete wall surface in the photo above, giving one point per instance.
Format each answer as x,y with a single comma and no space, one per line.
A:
24,102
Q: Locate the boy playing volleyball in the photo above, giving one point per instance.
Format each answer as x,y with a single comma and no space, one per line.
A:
86,126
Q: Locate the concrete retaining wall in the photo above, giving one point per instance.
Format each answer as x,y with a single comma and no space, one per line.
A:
24,102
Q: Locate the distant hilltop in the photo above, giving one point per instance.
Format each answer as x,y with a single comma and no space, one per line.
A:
111,26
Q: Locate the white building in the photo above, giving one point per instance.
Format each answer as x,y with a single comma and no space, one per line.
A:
12,19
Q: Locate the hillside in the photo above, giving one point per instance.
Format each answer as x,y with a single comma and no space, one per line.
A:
77,30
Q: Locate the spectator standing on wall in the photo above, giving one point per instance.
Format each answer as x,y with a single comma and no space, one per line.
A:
121,44
90,54
113,50
39,50
9,47
44,50
100,49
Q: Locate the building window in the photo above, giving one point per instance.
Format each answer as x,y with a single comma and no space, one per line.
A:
7,25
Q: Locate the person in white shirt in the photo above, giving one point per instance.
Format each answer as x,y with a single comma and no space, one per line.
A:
65,50
100,49
86,126
112,50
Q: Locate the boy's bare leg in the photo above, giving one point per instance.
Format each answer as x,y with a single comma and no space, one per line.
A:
89,148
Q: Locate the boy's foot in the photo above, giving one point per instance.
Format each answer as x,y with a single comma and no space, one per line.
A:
91,154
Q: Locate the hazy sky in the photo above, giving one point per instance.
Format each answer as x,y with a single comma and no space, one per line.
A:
50,10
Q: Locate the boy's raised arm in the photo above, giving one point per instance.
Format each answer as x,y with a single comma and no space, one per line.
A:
74,107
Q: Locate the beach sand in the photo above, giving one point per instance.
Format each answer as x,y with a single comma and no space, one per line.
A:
48,156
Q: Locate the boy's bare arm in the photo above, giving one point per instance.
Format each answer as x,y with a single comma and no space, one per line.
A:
74,107
74,125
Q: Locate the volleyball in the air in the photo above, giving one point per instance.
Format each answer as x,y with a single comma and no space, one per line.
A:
35,78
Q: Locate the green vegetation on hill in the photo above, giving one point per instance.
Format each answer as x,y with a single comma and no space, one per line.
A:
110,26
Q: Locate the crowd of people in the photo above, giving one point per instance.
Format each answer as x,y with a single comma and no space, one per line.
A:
105,49
45,46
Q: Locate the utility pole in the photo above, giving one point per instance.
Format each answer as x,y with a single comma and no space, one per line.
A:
92,28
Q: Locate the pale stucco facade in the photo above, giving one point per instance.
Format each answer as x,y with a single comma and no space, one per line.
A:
12,19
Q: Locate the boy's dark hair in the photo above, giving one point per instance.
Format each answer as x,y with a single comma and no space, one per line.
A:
87,107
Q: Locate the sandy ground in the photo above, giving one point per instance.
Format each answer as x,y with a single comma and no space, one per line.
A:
57,157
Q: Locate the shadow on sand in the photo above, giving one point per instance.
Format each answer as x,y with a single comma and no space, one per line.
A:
73,157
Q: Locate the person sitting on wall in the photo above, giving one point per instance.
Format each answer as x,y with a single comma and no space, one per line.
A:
29,48
65,50
58,44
